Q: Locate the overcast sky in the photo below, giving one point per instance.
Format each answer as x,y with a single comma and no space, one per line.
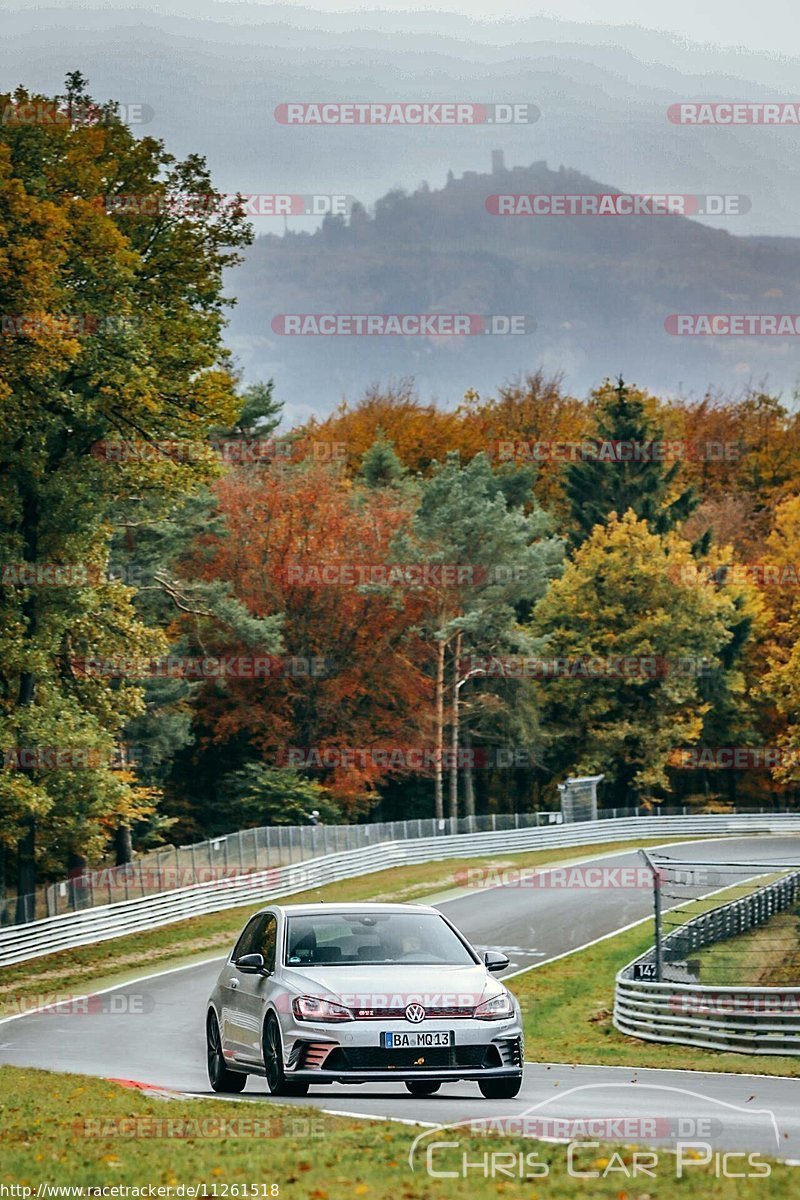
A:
770,26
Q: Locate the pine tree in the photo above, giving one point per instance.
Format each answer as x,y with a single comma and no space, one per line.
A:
380,466
622,469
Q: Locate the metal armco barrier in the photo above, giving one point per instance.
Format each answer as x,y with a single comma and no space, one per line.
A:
747,1020
21,942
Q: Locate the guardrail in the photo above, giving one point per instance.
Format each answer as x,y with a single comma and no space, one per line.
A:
260,848
102,923
747,1020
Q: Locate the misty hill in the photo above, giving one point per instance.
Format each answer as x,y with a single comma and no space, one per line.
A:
214,72
599,288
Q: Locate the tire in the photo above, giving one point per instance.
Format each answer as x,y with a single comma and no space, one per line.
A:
277,1083
422,1087
221,1078
500,1089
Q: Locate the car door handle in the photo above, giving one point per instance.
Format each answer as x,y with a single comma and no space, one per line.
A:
234,983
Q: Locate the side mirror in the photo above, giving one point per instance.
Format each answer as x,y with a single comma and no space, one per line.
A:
494,960
251,964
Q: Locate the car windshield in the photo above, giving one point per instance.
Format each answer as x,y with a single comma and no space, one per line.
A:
360,939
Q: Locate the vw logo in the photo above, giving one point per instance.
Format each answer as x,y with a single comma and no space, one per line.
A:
415,1013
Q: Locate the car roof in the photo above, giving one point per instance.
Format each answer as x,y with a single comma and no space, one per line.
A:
332,907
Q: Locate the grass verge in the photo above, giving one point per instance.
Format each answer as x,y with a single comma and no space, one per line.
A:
765,957
228,1150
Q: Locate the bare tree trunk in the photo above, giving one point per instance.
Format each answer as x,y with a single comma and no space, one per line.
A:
438,791
454,731
469,782
26,847
123,845
26,874
3,914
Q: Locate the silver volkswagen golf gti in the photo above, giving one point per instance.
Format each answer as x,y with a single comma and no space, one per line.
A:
361,993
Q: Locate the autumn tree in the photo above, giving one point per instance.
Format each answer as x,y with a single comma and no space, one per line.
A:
631,621
532,421
419,433
303,544
112,331
780,578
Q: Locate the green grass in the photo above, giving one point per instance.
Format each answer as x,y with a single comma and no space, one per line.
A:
308,1155
92,967
765,957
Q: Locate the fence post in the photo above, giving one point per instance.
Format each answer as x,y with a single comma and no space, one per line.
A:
657,922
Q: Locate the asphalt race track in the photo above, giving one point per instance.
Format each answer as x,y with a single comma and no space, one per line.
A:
157,1037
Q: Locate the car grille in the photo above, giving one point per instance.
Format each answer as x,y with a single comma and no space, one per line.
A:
399,1014
374,1058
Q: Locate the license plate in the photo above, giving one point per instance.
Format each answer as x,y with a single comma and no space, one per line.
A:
417,1039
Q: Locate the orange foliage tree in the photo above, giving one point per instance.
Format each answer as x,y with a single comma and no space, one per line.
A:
351,688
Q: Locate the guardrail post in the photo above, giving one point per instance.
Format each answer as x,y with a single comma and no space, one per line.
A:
657,919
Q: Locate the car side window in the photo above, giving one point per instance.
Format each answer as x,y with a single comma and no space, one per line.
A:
248,942
269,942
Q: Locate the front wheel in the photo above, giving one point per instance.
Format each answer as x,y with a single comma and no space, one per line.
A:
500,1089
219,1076
277,1083
422,1087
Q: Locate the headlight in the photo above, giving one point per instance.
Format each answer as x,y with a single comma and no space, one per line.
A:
496,1009
312,1008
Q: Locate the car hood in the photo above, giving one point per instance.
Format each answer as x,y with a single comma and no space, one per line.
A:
396,986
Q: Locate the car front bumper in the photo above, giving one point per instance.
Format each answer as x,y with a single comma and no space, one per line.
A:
352,1053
